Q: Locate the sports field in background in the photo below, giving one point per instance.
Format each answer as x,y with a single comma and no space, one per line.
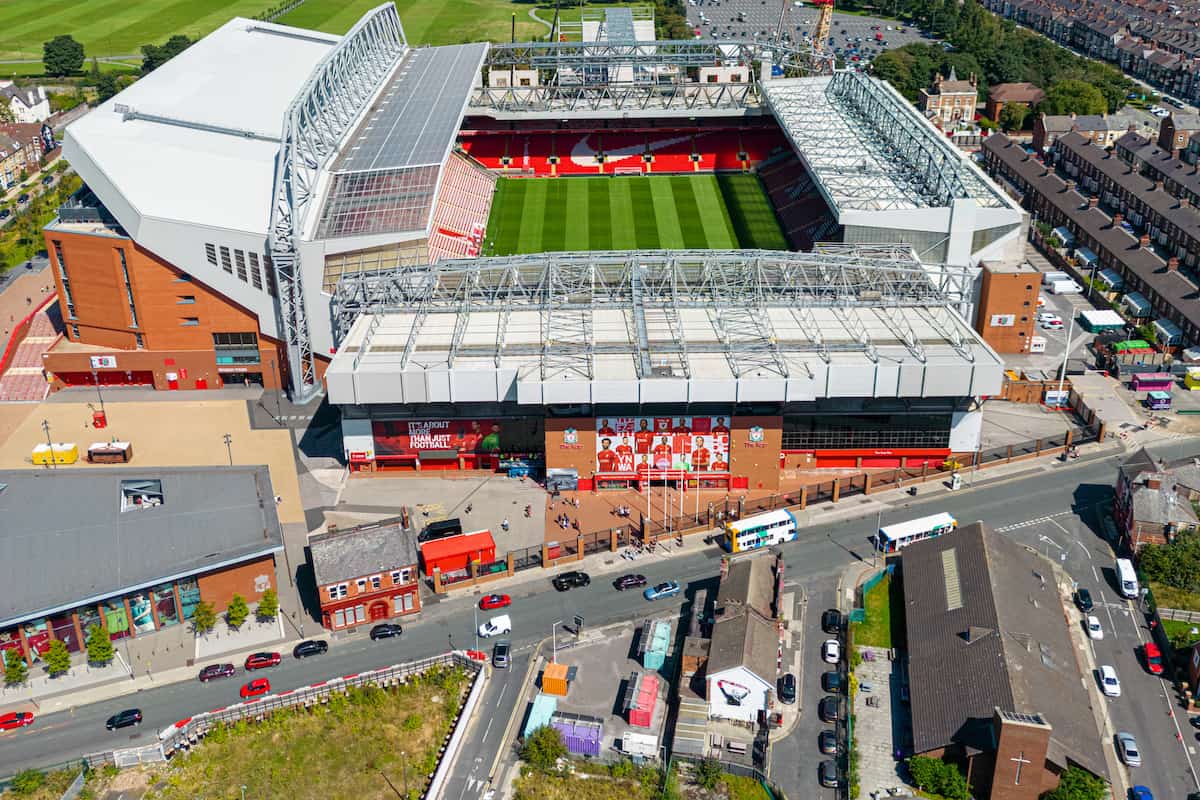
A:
121,27
655,212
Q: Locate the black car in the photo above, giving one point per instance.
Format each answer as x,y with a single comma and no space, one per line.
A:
500,653
1083,599
46,181
123,719
569,580
311,647
216,671
5,213
629,582
385,631
787,688
828,742
831,621
832,682
441,529
828,773
22,198
828,708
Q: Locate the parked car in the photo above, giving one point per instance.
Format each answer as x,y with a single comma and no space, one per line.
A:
385,630
787,688
312,647
256,688
668,589
1153,656
496,626
5,213
629,582
46,181
1054,324
832,682
494,601
828,773
569,580
216,671
123,719
15,719
827,742
1083,599
831,621
1127,747
1109,683
22,199
262,661
500,653
1140,793
1094,630
827,709
440,529
831,651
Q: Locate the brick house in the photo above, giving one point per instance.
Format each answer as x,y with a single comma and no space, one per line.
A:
950,101
1176,129
365,574
1002,94
19,152
1153,500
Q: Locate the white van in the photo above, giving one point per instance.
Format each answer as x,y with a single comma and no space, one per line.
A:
496,626
1052,277
1067,286
1127,578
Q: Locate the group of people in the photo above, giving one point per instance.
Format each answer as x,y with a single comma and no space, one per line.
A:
622,511
565,522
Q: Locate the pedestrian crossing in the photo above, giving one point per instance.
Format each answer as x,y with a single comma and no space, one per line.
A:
1029,523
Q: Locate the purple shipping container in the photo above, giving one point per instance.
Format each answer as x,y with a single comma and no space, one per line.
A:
581,738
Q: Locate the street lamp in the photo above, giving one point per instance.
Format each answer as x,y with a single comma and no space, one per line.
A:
554,641
49,442
99,396
476,610
228,447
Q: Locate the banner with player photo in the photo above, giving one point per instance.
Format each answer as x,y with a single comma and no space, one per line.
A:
635,444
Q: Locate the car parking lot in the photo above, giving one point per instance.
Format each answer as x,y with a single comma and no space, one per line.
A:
853,36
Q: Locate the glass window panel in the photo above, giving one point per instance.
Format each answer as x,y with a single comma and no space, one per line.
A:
164,601
115,618
64,630
140,610
189,596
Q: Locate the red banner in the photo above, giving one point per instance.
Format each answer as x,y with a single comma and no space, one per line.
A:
410,436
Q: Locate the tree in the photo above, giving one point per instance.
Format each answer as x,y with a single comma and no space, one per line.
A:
16,671
936,776
1075,96
204,619
99,646
154,56
62,55
1077,784
1012,116
268,606
708,773
543,748
237,611
6,114
106,86
58,659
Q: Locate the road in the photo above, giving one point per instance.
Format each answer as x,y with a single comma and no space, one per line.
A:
1013,504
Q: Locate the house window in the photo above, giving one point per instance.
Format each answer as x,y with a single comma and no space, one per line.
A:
140,341
185,300
66,284
337,592
376,582
404,603
210,253
240,258
362,584
236,348
189,322
360,613
74,331
339,619
226,264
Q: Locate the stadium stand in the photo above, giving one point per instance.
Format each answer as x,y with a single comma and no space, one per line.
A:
24,379
802,212
461,215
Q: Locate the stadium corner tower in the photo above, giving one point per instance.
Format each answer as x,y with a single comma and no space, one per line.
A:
297,209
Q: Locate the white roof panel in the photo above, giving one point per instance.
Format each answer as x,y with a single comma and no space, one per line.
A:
241,77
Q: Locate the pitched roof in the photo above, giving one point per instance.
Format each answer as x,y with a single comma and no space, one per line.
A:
1016,93
745,640
69,523
364,550
986,630
749,583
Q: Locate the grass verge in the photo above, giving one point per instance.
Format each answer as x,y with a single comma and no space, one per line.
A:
1180,633
876,629
369,743
594,785
1170,597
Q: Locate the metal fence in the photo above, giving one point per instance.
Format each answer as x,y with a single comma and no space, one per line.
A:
527,558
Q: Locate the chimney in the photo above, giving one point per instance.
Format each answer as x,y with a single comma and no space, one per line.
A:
1172,264
1144,241
1153,482
1184,202
1093,201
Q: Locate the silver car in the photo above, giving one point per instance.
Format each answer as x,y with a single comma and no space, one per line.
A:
1128,748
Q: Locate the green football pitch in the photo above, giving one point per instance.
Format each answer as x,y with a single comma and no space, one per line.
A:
654,212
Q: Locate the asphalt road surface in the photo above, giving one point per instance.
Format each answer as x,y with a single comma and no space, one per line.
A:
1017,505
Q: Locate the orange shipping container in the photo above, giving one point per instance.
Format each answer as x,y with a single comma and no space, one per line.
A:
554,679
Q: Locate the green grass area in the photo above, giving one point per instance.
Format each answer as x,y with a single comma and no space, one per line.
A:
426,21
657,212
571,14
879,629
350,747
1180,633
533,785
738,787
1170,597
34,69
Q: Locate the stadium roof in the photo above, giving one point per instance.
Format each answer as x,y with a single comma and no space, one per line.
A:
697,326
197,139
68,523
872,150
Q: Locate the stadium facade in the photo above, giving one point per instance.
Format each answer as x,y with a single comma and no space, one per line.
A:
284,234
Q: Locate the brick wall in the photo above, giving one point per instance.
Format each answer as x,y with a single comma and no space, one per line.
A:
249,580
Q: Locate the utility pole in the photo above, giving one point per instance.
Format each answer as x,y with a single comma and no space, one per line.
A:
1066,354
229,447
49,442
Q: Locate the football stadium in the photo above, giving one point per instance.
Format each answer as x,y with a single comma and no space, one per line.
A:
547,241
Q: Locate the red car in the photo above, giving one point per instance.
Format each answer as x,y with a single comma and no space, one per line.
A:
256,687
15,719
495,601
1154,661
262,660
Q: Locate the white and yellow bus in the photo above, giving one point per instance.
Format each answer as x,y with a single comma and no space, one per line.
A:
894,537
761,530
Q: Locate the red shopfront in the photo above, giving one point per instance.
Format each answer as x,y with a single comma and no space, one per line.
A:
869,458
